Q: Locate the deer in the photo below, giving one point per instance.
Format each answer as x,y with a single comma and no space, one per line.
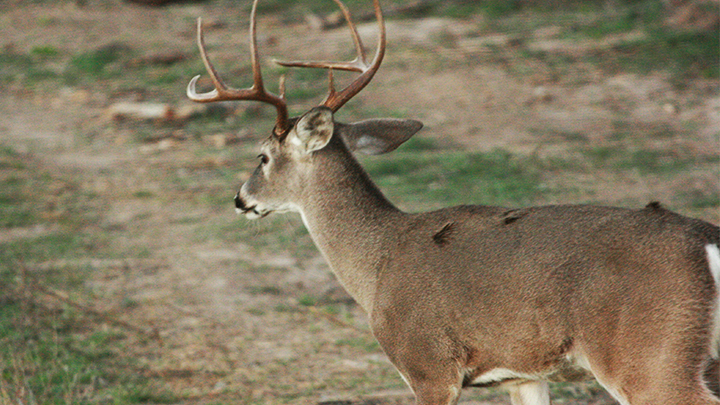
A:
477,295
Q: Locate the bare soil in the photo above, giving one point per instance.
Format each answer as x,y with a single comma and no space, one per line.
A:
221,320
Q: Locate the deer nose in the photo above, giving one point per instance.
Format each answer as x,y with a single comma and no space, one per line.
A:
240,206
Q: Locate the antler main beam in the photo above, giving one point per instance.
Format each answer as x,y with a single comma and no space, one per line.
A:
334,99
256,92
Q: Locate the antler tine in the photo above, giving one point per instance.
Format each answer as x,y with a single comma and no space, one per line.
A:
254,57
359,48
256,92
335,100
219,85
359,64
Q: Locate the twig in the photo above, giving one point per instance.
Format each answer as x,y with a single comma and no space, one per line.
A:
317,312
151,333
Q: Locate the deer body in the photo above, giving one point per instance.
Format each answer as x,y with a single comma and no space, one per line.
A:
477,295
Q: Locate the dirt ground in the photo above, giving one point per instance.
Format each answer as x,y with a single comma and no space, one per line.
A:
221,320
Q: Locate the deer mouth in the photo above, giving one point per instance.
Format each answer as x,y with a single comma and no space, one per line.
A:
251,212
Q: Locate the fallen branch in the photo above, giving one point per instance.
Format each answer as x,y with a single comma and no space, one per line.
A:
337,321
63,297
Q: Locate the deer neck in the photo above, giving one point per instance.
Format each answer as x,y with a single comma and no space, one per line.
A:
351,223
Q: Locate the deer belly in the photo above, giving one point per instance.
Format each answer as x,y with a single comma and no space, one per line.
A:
571,368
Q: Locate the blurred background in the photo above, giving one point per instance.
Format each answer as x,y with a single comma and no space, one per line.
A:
126,277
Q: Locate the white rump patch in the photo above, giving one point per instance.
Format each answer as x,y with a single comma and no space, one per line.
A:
713,254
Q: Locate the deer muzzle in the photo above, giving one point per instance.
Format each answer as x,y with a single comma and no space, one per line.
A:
250,211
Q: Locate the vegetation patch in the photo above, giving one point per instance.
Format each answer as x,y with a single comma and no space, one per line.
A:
52,353
448,178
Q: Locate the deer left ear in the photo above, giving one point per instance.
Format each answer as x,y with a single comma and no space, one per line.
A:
378,136
314,129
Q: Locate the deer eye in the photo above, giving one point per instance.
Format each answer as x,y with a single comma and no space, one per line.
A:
263,158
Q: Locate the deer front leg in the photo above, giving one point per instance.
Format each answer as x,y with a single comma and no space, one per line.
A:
440,388
432,373
438,396
530,393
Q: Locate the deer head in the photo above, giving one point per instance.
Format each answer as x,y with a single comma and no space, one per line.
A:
292,151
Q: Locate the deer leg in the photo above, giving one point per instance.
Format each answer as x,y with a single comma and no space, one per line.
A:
674,382
433,381
428,395
435,391
430,364
530,393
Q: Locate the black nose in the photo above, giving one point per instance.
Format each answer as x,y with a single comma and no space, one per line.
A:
238,202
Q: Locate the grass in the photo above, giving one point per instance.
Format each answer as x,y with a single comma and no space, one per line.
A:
421,175
27,68
491,8
49,353
44,370
44,362
95,62
646,161
684,54
364,343
423,179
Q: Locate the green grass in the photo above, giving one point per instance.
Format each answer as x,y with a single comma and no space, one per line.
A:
307,300
365,343
55,246
45,51
490,8
449,178
37,360
684,54
52,354
624,17
49,356
15,187
28,68
96,61
646,161
702,200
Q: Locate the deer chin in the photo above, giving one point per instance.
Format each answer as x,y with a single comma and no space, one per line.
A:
259,210
253,213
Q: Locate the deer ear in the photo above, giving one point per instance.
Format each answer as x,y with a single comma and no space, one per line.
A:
314,129
378,136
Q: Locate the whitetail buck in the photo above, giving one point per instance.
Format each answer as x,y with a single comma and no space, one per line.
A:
480,296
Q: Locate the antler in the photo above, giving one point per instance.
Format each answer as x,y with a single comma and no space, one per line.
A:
334,99
256,92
